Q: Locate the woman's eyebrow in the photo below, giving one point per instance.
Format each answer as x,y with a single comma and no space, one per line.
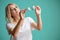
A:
13,7
16,6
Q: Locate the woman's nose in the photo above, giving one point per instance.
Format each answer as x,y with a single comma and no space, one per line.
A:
17,9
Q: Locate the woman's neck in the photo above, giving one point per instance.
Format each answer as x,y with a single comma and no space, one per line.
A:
15,20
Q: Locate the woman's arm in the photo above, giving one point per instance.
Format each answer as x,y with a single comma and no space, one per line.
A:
17,28
15,31
37,25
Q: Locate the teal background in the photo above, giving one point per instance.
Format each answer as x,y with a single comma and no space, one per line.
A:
50,18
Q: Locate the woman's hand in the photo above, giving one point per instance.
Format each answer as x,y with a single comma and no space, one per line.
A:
22,12
38,10
37,25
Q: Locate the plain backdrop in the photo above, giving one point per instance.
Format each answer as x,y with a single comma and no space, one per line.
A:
50,11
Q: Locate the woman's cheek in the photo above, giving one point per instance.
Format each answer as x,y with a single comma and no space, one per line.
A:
18,12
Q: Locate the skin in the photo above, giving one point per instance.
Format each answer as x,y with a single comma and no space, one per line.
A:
18,19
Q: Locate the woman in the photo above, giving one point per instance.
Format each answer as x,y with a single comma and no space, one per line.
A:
19,27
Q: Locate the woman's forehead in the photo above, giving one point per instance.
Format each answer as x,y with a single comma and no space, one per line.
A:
12,6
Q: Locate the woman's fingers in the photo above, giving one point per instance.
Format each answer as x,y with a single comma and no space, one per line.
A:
21,15
38,10
23,11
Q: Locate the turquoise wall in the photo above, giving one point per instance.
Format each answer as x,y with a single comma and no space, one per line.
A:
50,18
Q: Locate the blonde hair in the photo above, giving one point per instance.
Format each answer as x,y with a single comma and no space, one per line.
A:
8,13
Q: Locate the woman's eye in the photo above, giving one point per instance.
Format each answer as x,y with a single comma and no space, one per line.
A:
16,7
12,9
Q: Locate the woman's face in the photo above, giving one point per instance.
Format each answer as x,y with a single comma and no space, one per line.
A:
14,10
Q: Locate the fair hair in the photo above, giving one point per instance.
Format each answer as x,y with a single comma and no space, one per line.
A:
8,13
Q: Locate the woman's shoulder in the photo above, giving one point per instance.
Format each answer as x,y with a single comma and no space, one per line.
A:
9,25
30,19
